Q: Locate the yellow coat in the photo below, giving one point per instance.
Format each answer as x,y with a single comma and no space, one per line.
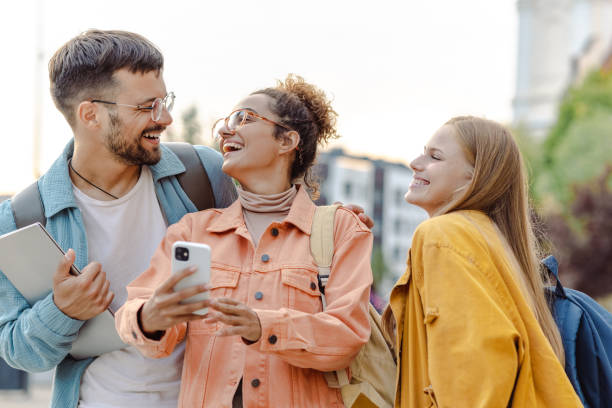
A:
466,336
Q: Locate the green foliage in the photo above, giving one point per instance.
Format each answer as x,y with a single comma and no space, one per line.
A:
191,126
191,130
586,252
570,181
578,147
379,267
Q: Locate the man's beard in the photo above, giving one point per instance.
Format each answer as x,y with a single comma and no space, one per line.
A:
130,151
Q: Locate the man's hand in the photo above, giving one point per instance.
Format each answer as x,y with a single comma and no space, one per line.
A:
81,297
164,310
240,319
363,217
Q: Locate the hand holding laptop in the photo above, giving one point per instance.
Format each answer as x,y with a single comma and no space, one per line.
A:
84,296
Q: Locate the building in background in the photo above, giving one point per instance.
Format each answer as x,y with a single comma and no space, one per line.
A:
560,41
379,187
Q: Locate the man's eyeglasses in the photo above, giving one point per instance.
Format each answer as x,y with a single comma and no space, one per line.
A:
157,108
239,118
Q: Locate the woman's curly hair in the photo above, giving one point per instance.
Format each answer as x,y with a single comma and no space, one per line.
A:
306,109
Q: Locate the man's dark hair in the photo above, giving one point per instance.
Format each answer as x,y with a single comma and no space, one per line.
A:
83,68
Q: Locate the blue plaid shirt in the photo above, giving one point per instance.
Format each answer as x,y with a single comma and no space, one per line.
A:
39,337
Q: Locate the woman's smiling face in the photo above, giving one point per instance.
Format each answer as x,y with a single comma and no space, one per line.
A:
252,147
441,173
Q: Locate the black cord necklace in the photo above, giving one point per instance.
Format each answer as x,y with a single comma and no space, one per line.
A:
89,182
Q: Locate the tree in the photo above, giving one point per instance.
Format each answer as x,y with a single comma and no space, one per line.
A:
380,272
583,241
191,126
579,146
570,183
379,267
191,130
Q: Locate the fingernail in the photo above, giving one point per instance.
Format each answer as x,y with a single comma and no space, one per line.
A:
193,268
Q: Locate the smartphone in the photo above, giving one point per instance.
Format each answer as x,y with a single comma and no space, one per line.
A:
184,255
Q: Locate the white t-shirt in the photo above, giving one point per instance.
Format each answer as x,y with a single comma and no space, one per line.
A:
122,235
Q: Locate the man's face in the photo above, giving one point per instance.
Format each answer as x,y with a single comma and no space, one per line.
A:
133,136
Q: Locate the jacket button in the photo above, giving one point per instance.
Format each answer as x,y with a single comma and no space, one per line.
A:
258,295
274,232
272,339
265,258
313,285
255,383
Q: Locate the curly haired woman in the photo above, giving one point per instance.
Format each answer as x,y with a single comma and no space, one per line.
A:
265,340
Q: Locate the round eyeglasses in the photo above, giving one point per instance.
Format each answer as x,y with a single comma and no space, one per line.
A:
239,118
156,108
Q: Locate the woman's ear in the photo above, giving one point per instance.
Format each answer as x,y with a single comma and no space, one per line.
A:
469,173
87,114
289,141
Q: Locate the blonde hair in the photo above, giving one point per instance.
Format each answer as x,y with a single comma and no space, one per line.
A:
499,189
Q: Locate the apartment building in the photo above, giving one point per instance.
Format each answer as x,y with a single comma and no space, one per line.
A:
379,187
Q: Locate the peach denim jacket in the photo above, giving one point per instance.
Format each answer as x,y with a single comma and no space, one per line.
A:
278,279
466,333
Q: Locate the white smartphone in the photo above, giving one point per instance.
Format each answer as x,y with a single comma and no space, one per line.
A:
184,255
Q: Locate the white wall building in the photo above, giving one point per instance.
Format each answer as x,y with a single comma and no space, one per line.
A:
559,41
350,180
379,187
399,219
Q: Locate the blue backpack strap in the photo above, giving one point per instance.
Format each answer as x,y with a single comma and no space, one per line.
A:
551,264
567,317
586,331
593,350
27,206
194,180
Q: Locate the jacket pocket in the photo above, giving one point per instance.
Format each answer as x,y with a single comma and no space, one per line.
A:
223,281
302,290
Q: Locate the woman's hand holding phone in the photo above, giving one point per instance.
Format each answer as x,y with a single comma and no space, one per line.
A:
166,309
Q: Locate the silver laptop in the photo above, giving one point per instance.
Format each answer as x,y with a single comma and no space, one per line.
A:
29,258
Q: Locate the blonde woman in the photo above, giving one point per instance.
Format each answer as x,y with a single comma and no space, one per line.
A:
469,316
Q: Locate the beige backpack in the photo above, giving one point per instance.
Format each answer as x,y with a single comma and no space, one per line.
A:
373,370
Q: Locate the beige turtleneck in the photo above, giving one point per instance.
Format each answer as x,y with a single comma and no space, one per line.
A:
259,211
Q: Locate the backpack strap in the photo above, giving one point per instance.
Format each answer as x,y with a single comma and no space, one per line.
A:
322,244
552,266
28,207
194,180
322,250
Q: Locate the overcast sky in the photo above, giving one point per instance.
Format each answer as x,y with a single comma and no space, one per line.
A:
396,70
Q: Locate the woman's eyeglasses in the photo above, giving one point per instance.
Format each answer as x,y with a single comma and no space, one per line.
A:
239,118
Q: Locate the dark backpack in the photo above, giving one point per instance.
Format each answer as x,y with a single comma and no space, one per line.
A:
586,331
28,208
